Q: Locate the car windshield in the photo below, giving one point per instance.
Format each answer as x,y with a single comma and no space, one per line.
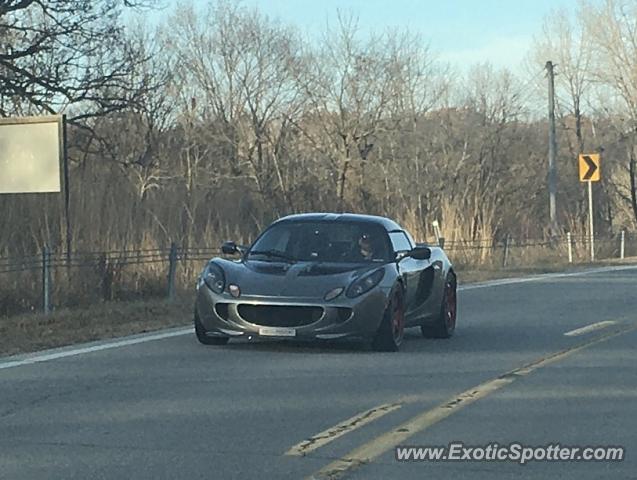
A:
339,242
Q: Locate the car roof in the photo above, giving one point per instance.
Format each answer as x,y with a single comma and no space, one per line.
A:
386,223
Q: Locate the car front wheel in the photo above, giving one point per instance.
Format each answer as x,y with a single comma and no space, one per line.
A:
446,321
392,329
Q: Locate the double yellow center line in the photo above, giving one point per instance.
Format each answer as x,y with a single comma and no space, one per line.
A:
393,438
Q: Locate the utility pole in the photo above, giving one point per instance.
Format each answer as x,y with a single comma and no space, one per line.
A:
552,174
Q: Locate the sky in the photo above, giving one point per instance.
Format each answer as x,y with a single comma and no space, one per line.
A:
461,32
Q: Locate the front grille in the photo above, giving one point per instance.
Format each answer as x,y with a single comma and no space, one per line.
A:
222,310
280,315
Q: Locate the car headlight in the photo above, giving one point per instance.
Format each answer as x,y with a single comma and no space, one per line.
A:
365,284
213,277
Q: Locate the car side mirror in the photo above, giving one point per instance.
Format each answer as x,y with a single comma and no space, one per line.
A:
420,253
229,248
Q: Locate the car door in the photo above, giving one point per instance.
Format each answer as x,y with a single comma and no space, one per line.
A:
409,268
419,276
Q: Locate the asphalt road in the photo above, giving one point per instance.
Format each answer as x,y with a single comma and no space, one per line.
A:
171,408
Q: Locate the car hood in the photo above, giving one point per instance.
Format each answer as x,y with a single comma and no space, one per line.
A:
300,279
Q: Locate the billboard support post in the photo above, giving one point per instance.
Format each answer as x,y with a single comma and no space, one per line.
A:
46,280
67,192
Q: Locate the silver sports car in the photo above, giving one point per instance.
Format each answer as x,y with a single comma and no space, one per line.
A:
327,276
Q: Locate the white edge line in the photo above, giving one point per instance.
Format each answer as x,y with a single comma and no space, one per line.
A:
55,354
64,352
545,276
593,327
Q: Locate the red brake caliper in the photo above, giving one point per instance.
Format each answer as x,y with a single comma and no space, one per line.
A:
451,305
397,320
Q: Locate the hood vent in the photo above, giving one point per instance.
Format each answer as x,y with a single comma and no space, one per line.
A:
318,270
269,268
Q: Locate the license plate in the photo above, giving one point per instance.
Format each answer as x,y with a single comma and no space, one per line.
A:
277,332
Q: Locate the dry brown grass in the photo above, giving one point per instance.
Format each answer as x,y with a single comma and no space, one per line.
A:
474,274
33,332
484,274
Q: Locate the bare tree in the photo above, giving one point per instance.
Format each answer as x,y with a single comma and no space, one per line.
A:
566,42
418,85
612,26
55,54
348,85
568,45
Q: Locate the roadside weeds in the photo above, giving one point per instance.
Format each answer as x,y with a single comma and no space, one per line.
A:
34,332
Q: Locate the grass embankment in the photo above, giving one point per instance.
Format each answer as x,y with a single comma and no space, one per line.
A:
33,332
482,274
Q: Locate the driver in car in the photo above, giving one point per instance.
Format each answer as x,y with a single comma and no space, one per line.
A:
366,248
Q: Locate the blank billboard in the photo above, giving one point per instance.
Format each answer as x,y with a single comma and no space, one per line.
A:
30,153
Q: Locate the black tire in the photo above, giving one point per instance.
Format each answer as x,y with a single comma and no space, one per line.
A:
445,324
205,339
391,332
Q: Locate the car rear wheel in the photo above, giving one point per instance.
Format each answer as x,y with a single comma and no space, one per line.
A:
392,329
205,339
446,322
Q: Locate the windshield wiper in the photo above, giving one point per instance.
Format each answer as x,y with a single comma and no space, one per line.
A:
273,254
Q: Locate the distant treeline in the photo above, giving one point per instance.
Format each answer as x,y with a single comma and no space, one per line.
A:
222,119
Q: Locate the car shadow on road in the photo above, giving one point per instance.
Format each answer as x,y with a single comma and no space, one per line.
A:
472,338
413,342
298,346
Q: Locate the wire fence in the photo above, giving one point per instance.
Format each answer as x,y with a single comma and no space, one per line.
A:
509,251
61,279
93,259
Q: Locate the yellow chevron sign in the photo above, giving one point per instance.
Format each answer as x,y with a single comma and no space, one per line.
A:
589,167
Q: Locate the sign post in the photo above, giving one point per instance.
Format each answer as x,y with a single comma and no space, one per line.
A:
590,221
622,245
436,226
589,172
